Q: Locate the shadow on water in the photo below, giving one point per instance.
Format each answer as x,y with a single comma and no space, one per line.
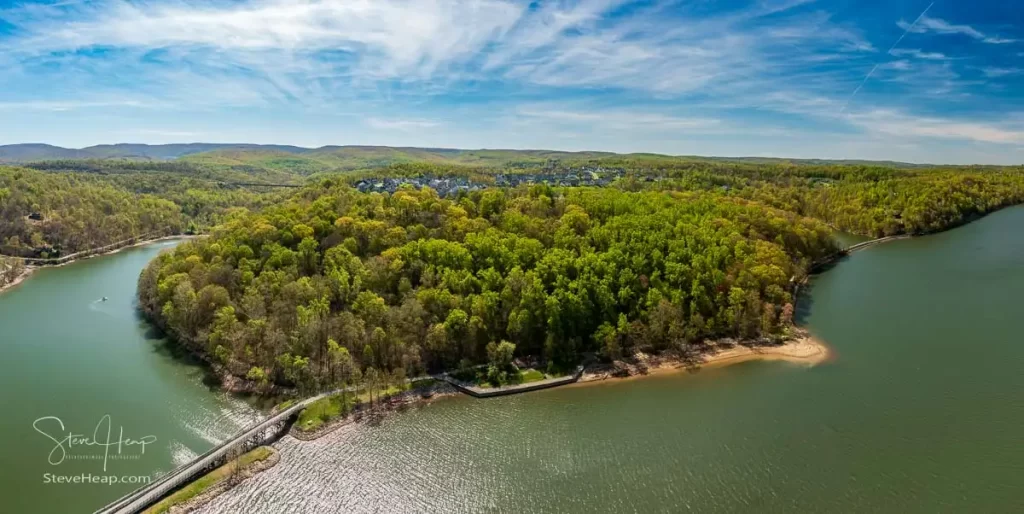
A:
805,300
161,344
803,307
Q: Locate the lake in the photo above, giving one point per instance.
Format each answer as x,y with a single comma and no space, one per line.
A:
67,354
920,411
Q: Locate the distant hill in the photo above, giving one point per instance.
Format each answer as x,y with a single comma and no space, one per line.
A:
813,162
43,152
176,150
305,161
37,152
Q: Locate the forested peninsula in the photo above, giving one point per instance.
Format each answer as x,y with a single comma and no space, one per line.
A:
326,265
398,279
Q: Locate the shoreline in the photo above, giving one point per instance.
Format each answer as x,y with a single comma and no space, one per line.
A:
803,349
31,268
117,250
220,487
18,280
397,405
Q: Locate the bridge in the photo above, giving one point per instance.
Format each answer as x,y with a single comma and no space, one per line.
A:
258,184
246,439
824,261
873,242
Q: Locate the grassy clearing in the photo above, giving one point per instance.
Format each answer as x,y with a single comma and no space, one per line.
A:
324,410
283,405
530,375
333,407
479,378
207,481
392,390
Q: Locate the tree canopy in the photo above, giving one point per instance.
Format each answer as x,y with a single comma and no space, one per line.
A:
413,281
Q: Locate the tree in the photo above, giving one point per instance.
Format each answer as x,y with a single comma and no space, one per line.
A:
234,464
325,282
500,355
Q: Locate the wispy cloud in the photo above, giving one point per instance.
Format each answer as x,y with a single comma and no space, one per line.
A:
940,26
593,70
994,72
919,54
616,119
403,125
167,133
75,105
894,123
312,49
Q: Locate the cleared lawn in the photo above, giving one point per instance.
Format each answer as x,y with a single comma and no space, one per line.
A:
324,410
478,377
207,481
530,375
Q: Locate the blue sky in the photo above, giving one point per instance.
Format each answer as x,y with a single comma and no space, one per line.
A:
871,79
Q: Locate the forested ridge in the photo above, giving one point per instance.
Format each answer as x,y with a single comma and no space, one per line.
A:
336,283
79,205
868,200
340,280
315,287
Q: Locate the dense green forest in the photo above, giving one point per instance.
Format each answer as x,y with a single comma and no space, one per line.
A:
410,281
868,200
309,287
59,208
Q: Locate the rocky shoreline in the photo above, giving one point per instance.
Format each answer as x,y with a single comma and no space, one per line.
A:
226,485
397,403
17,280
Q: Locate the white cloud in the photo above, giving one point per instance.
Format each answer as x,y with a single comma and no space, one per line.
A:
918,54
940,26
60,106
900,124
385,61
897,123
391,38
399,124
996,40
615,119
901,65
995,72
313,50
167,133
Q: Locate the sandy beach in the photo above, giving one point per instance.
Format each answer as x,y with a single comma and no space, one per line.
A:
803,349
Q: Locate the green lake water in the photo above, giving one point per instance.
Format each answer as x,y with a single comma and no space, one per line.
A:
64,353
922,409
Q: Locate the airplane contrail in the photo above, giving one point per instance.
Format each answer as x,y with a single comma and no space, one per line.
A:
891,48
